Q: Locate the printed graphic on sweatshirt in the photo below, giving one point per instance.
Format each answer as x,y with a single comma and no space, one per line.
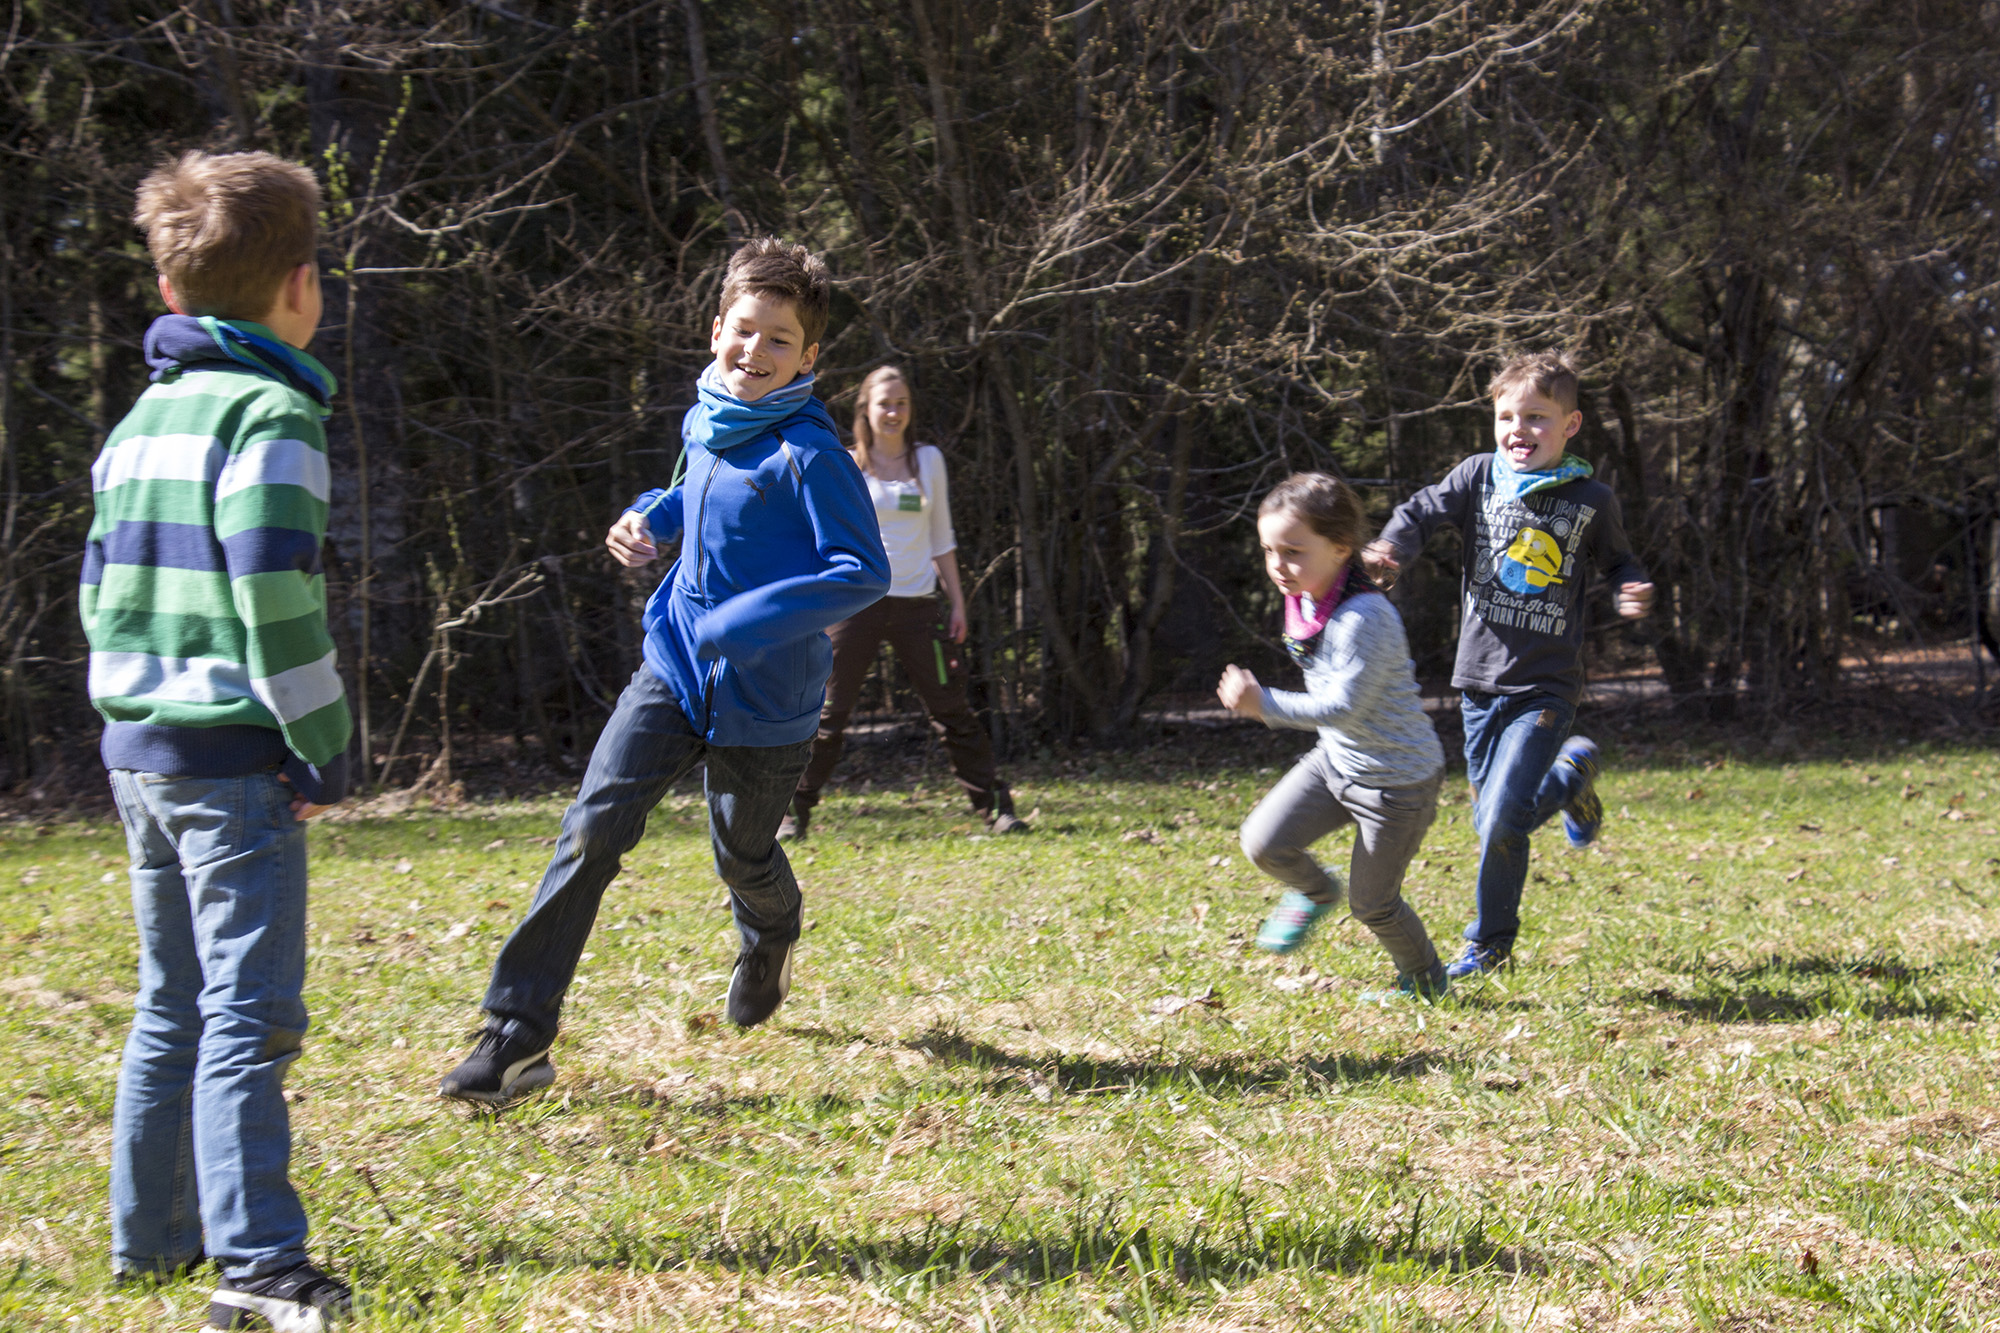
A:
1525,558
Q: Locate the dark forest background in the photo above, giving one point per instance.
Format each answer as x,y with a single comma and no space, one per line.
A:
1141,257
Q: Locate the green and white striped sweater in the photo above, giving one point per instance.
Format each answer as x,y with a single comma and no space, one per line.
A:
203,597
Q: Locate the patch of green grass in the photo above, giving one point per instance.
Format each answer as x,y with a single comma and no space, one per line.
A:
1740,1078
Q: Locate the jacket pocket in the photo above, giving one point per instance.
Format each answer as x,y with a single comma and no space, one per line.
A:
784,684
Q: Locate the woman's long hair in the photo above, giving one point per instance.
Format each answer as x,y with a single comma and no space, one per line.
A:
863,447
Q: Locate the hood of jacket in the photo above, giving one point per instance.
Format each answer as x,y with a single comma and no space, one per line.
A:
176,343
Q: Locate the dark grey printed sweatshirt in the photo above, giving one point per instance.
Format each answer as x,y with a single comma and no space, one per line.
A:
1361,696
1528,563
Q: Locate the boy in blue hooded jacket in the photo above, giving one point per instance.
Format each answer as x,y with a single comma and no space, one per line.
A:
778,541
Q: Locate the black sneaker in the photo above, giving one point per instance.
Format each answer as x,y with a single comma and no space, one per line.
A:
762,980
299,1300
500,1069
792,828
1001,819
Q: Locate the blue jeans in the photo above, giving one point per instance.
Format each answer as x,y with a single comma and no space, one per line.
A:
201,1143
649,745
1511,741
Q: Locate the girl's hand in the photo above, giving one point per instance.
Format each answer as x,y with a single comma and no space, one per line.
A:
955,630
1240,693
1634,599
630,541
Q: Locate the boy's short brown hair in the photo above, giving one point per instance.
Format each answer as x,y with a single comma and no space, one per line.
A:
1551,374
780,271
225,228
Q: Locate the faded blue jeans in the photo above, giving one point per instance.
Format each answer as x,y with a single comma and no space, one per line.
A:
649,745
1511,742
201,1143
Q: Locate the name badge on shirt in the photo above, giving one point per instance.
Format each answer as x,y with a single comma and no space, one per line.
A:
909,501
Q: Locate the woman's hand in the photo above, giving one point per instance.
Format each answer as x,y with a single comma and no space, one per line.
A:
1240,693
630,541
955,629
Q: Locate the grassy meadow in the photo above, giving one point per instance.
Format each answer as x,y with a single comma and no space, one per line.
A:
1742,1077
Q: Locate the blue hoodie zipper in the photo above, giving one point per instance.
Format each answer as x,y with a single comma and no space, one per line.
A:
701,587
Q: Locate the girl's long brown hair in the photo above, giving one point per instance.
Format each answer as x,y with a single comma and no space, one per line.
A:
1328,505
863,447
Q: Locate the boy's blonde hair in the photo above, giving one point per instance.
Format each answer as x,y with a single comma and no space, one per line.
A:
1324,503
780,271
225,228
1551,374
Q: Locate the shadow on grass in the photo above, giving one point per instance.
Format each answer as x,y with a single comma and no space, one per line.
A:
1239,1245
1082,1074
1789,990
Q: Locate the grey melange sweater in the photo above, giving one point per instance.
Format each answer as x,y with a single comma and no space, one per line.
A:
1361,696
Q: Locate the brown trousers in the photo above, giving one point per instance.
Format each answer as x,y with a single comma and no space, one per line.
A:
936,669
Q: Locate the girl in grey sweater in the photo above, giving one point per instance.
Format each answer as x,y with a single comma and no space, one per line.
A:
1378,764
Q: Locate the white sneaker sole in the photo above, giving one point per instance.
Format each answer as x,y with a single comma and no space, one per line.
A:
283,1316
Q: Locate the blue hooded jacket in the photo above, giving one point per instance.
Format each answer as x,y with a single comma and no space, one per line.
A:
778,541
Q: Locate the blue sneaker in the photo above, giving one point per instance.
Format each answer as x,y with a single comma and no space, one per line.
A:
1476,961
1291,921
1583,814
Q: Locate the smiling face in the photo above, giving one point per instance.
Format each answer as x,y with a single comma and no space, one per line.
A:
759,346
889,412
1531,428
1298,559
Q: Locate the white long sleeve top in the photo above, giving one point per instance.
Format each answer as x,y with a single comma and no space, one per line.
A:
916,523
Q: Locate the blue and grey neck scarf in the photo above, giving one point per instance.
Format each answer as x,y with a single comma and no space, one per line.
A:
720,421
182,342
1512,485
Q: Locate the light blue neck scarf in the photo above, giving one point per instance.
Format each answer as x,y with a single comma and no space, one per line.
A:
719,420
1512,485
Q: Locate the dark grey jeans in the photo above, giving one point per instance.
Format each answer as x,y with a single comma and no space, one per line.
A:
649,745
1312,801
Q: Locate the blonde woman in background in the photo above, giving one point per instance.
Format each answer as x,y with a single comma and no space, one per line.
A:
913,504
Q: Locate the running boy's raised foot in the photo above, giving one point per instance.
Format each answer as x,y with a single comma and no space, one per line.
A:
778,541
503,1066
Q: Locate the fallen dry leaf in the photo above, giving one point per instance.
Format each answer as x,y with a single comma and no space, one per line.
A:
1168,1005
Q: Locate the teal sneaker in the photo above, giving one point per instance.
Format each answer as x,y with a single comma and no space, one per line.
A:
1583,815
1291,922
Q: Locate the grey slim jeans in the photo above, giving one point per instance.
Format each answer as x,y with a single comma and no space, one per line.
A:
1312,801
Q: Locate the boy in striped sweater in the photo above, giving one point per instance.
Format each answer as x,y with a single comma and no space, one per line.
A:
226,727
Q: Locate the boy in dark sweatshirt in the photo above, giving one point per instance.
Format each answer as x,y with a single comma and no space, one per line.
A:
778,541
1534,525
